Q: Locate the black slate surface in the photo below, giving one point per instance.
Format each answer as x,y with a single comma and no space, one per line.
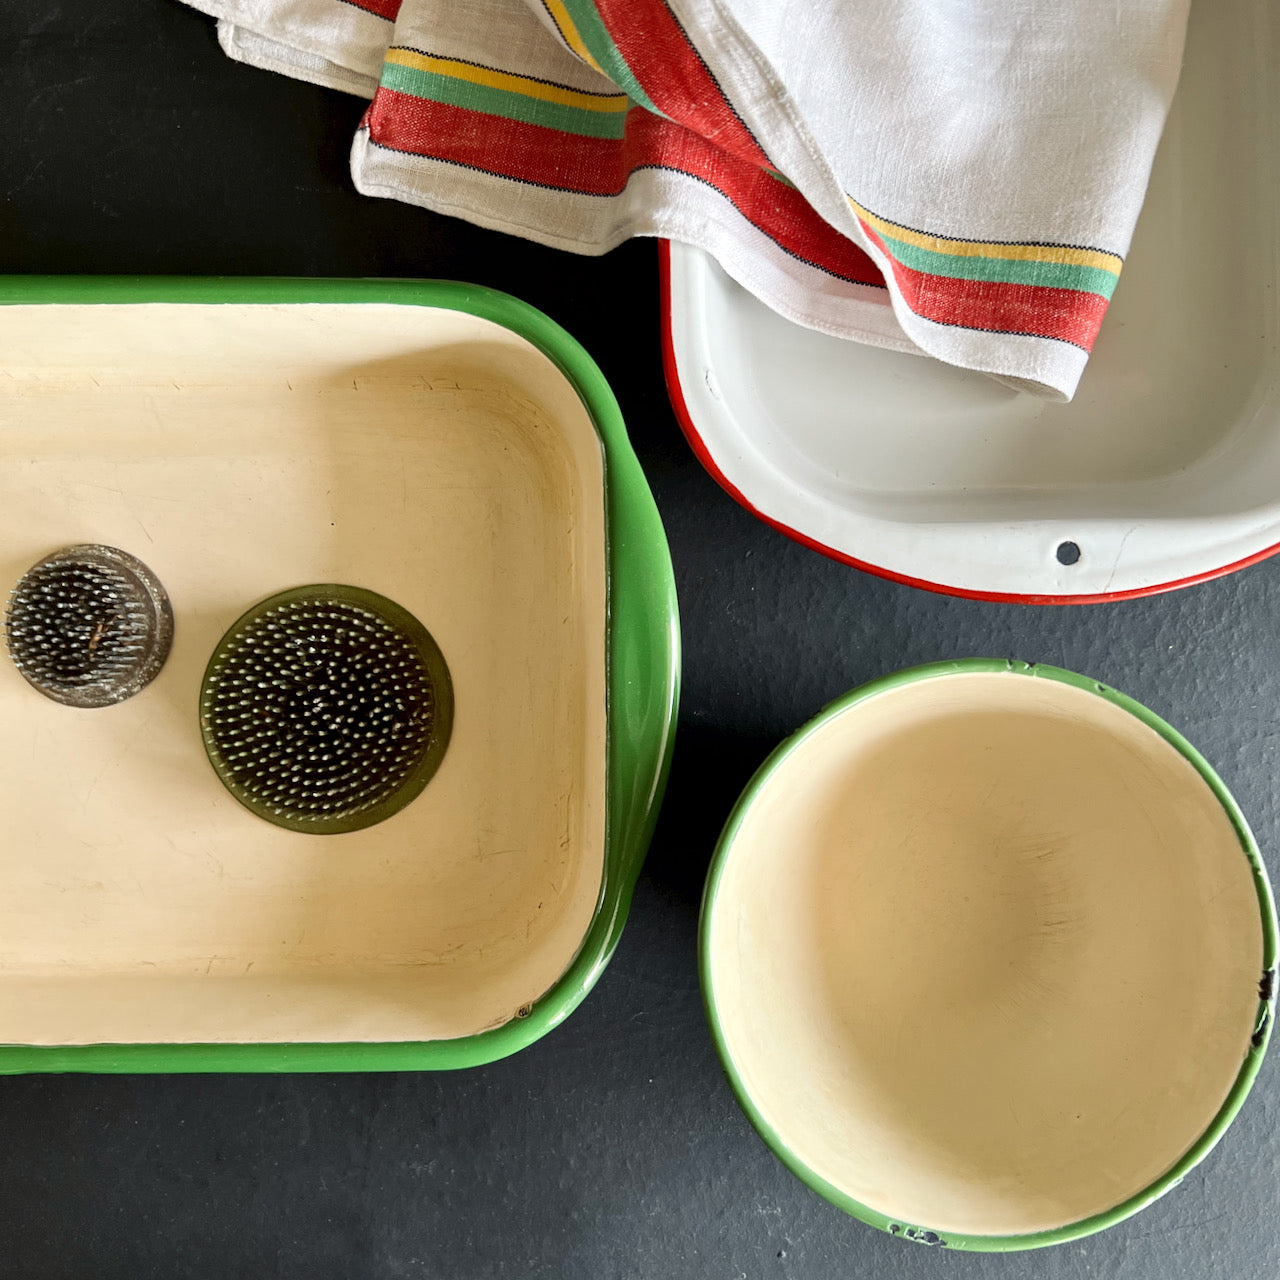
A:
613,1147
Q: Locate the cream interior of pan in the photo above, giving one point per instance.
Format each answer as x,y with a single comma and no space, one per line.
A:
240,450
985,953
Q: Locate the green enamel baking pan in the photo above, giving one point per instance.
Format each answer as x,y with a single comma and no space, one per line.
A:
441,448
988,953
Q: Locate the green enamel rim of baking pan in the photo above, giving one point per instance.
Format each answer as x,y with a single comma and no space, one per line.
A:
921,1232
642,688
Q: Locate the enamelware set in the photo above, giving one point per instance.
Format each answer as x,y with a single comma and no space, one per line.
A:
987,948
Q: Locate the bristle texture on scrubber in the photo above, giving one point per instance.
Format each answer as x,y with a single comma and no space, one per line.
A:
320,711
88,626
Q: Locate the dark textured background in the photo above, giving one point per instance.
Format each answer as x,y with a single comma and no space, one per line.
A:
612,1148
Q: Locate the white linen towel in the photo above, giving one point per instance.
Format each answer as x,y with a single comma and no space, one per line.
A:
954,177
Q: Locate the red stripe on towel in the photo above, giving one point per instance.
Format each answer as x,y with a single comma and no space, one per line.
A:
603,166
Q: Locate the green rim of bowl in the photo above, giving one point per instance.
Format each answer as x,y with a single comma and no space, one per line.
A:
642,654
410,630
922,1232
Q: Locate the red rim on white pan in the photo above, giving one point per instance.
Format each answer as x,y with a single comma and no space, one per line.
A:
1162,472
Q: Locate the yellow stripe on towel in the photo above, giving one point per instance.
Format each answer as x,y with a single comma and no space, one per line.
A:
1067,254
527,86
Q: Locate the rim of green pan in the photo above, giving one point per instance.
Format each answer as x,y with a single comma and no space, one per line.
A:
642,654
922,1232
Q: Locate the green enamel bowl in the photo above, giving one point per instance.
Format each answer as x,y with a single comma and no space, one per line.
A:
988,954
443,445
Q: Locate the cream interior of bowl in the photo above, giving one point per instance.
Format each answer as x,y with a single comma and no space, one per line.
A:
239,450
985,953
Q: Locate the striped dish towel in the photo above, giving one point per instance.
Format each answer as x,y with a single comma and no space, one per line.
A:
960,180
